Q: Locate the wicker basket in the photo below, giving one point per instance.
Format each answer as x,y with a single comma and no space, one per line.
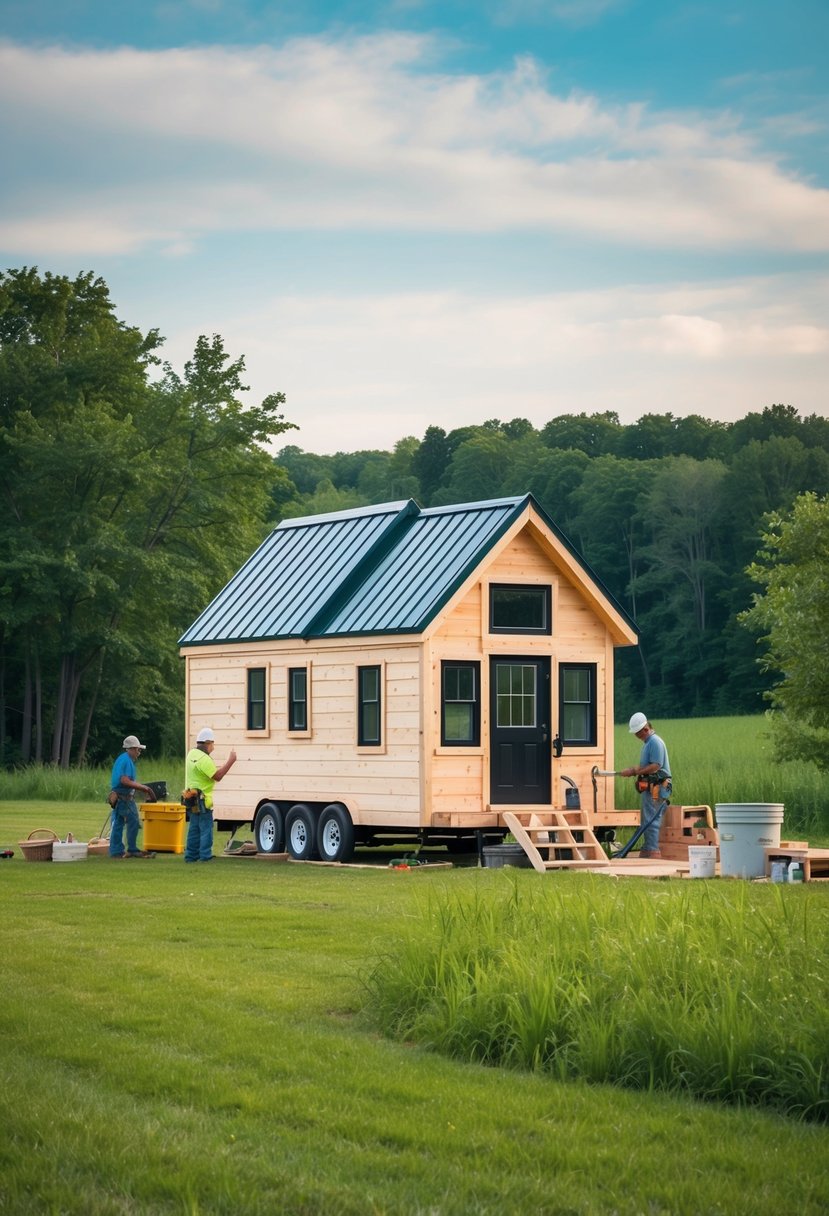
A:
39,850
98,847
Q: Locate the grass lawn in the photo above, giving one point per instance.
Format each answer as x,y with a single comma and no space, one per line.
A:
191,1040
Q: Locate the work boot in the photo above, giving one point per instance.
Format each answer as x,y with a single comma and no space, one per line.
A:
650,854
141,853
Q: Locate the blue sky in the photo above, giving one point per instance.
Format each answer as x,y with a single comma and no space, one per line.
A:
409,214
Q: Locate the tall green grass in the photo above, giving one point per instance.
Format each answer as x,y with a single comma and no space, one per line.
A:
713,760
730,760
47,782
720,991
187,1041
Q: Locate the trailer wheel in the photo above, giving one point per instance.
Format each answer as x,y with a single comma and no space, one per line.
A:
269,829
301,832
335,834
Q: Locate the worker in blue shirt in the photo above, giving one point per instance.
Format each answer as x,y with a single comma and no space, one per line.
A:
653,780
124,782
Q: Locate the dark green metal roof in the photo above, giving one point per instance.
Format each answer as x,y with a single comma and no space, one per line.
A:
384,569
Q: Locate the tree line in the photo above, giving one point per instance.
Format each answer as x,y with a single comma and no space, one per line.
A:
668,512
132,491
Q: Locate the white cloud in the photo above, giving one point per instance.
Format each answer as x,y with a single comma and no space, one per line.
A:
394,365
359,134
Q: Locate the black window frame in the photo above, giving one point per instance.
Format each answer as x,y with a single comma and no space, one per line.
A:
591,703
475,702
364,703
257,701
542,589
295,702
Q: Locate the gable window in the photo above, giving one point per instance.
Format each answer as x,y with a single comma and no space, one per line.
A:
297,699
257,699
519,609
460,724
368,707
577,704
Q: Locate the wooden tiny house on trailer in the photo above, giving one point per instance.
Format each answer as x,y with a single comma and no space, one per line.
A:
406,672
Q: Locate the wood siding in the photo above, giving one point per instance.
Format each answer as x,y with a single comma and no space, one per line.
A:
460,776
323,764
411,777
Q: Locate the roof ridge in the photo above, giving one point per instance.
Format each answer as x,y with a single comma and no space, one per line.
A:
326,517
384,543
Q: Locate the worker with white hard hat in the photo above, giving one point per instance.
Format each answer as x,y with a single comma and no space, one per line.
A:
653,780
200,776
123,784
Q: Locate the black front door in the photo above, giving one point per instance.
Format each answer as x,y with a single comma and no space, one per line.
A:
520,730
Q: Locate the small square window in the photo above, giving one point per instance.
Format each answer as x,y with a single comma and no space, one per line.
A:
519,609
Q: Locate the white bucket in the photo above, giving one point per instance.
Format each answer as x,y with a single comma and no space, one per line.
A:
746,830
72,850
703,859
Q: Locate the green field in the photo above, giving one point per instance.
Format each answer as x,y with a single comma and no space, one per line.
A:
731,760
218,1039
206,1041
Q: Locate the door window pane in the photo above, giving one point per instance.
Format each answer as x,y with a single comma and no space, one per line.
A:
515,697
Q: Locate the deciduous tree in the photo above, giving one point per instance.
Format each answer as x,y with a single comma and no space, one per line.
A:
127,503
792,612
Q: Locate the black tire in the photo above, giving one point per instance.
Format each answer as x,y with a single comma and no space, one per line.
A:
269,829
301,832
335,834
458,845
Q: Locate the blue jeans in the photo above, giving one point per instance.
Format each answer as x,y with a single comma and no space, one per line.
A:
199,845
652,807
124,814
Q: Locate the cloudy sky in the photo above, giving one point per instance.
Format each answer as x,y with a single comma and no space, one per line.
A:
415,213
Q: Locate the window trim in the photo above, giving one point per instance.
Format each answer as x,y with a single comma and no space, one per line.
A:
592,703
306,731
475,741
371,747
257,732
547,592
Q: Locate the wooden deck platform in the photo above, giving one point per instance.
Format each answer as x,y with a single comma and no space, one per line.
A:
815,861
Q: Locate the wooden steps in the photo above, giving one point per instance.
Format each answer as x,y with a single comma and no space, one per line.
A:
678,831
556,839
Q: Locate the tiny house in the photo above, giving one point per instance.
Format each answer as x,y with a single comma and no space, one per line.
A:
394,672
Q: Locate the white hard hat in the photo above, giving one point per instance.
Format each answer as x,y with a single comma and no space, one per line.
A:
637,722
132,741
205,736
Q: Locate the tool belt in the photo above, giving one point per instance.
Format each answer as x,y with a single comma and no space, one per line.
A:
113,798
659,786
193,800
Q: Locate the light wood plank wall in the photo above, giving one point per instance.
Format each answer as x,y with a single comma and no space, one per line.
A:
410,776
325,762
459,777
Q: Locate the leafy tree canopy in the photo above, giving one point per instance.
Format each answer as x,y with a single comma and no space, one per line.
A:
792,611
127,504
